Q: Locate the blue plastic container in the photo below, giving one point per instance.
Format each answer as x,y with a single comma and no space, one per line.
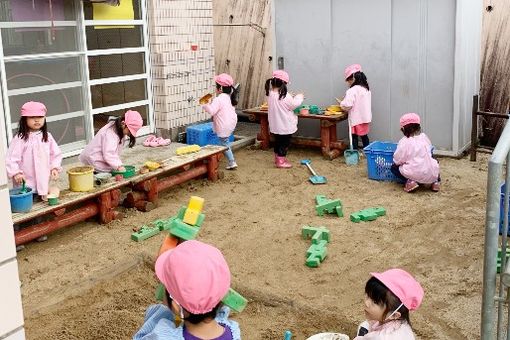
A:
502,211
21,203
203,134
379,161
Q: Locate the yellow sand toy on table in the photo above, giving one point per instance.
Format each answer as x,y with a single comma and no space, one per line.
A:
187,149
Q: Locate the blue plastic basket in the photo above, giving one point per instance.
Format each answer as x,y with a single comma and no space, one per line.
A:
502,211
379,161
203,134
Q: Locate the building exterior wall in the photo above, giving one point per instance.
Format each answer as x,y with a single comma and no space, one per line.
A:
181,74
11,313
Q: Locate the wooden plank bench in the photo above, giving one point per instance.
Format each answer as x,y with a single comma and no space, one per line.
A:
330,146
142,190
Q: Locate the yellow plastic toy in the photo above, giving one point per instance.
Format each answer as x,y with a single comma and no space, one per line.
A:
152,165
194,209
187,149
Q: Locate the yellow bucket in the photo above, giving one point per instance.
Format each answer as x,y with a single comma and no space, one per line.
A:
81,178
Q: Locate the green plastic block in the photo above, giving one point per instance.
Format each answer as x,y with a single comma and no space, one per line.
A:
234,300
498,265
144,233
160,292
339,211
181,212
317,234
325,205
166,224
183,230
316,254
368,214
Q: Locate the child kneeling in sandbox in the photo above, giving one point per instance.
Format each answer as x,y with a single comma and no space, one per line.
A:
196,278
389,297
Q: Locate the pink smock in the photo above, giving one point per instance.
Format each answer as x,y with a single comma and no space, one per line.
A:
392,330
223,114
281,117
35,159
103,151
359,99
414,158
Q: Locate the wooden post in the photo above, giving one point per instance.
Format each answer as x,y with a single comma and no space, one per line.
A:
325,138
212,168
263,136
474,129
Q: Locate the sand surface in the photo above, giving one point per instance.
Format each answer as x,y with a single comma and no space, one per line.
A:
91,281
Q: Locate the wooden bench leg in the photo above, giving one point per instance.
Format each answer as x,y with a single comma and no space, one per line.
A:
263,135
212,168
325,138
108,201
144,195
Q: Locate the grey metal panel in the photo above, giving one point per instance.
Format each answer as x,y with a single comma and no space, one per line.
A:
361,33
303,39
440,52
406,49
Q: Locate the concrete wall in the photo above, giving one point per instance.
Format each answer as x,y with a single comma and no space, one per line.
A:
11,313
180,75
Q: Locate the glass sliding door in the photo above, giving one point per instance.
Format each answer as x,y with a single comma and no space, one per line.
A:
84,61
42,62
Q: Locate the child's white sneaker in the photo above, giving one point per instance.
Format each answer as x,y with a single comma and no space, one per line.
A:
231,166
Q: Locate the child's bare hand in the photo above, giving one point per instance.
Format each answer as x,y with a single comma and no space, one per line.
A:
54,174
121,169
18,179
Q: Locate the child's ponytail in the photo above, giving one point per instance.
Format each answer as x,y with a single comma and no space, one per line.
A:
119,130
232,91
360,79
279,84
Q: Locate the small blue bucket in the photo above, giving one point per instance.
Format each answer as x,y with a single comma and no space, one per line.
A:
21,202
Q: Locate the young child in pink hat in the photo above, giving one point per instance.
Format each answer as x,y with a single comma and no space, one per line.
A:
224,114
358,102
103,151
389,297
196,278
413,162
282,120
33,155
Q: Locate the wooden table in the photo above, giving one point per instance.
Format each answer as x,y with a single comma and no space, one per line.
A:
330,146
142,191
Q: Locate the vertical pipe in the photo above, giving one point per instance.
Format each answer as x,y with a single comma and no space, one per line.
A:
474,129
491,247
501,291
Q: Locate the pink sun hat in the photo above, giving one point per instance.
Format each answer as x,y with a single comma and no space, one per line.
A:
224,79
133,121
282,75
403,285
409,118
351,69
33,109
195,275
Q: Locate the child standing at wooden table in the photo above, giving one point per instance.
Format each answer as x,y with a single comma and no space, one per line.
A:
282,120
358,102
103,151
224,114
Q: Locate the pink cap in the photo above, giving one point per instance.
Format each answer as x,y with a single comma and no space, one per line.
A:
195,275
282,75
403,285
33,109
133,121
409,118
351,69
224,79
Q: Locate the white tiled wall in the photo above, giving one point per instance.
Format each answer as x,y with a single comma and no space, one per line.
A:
11,313
181,75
